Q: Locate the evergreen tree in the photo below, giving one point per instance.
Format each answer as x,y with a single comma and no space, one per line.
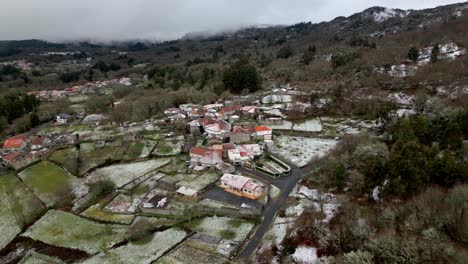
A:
435,53
413,54
309,55
241,76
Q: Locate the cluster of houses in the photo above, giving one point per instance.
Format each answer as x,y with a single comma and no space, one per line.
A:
225,145
22,64
88,88
21,150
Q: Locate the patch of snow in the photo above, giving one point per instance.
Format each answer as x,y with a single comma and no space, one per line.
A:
402,70
405,112
401,98
303,191
273,99
388,13
312,125
305,255
302,150
124,173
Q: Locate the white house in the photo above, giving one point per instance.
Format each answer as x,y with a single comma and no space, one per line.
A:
63,118
241,186
264,132
234,156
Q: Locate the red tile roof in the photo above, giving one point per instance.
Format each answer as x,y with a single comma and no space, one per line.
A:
14,142
262,128
10,157
37,140
200,151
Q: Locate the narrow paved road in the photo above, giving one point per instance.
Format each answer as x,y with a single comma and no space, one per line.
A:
286,184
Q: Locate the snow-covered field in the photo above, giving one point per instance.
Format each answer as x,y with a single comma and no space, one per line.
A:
63,229
311,125
149,146
301,150
200,182
125,173
142,253
8,224
273,99
214,225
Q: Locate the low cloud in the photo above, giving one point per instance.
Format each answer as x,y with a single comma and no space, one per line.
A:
107,20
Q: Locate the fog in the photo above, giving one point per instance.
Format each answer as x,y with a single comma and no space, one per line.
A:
107,20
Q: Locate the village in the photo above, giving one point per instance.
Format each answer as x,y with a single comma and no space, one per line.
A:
215,169
128,137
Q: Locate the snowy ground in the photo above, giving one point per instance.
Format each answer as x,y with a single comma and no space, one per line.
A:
305,255
401,98
63,229
301,150
283,227
143,253
214,225
311,125
125,173
272,99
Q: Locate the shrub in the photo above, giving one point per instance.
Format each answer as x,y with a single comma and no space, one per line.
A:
227,234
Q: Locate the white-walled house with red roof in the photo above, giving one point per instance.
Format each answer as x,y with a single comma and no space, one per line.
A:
241,186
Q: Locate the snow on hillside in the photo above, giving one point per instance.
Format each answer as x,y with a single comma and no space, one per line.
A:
448,51
388,13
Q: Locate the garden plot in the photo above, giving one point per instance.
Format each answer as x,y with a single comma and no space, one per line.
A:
176,165
67,158
124,203
91,158
216,204
18,207
95,212
63,229
147,148
301,150
347,126
36,258
310,125
175,178
143,252
196,251
147,184
224,227
134,150
124,173
51,183
201,182
273,99
170,147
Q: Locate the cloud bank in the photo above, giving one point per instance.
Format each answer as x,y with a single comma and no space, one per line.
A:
107,20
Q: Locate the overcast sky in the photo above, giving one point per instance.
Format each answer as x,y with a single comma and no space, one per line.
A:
103,20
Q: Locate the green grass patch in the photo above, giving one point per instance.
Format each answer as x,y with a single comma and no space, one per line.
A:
48,181
93,158
67,158
18,207
227,234
63,229
95,212
236,222
134,151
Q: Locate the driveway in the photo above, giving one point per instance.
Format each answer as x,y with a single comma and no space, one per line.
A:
218,194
